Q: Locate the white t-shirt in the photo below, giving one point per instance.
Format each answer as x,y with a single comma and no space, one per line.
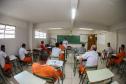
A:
56,52
92,58
3,55
22,52
65,43
82,50
109,50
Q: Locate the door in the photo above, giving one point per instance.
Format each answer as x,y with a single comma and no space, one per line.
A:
92,40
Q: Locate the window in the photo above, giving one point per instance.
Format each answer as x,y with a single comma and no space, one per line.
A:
7,31
40,34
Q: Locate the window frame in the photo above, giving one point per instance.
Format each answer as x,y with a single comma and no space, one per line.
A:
40,35
5,34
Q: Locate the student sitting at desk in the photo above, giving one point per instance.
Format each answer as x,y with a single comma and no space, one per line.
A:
61,46
56,52
44,47
65,42
82,49
109,48
119,56
5,62
91,58
23,54
107,51
43,70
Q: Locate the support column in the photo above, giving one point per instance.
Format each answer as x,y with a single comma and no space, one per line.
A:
31,35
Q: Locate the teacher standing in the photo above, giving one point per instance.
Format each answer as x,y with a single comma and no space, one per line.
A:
65,42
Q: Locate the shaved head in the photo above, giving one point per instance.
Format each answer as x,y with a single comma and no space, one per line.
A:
93,47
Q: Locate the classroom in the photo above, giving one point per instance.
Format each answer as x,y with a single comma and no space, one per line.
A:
62,41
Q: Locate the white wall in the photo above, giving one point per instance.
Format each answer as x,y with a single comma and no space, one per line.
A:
109,37
36,41
121,33
12,45
121,37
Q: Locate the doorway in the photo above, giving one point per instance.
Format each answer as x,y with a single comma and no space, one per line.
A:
92,40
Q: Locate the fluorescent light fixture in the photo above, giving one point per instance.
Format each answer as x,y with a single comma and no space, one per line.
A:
55,28
73,13
86,29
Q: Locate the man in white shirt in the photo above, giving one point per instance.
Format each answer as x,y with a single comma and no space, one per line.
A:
109,48
56,51
91,58
65,43
22,54
3,55
107,51
5,62
82,49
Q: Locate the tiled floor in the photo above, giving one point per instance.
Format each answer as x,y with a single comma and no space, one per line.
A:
69,75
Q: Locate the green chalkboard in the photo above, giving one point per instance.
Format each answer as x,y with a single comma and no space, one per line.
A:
72,39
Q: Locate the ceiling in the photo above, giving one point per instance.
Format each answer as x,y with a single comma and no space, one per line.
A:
97,12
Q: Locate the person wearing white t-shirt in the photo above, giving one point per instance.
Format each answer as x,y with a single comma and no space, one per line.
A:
91,58
23,54
56,50
65,43
107,51
5,61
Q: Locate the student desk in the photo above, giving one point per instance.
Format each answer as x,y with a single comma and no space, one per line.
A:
12,57
99,75
57,64
114,55
28,78
13,60
38,49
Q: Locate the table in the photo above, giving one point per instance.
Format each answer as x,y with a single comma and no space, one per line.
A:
14,62
12,57
78,57
26,77
38,49
99,75
56,63
114,55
